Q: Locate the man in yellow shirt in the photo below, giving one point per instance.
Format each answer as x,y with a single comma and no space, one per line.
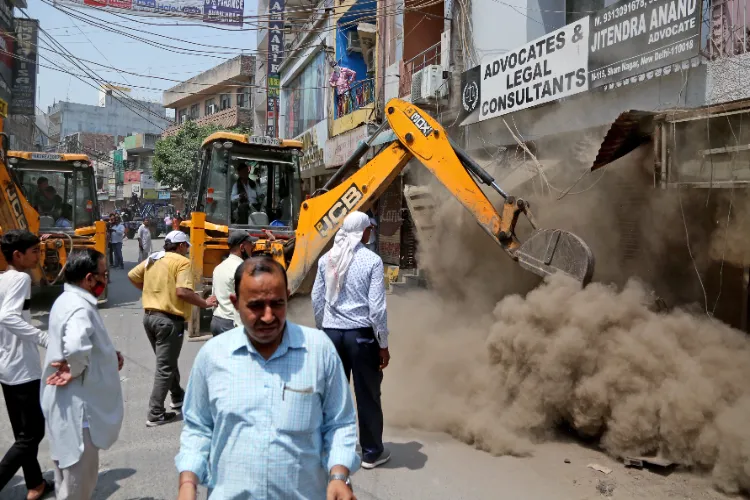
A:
166,279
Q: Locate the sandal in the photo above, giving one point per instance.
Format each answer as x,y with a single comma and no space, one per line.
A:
49,487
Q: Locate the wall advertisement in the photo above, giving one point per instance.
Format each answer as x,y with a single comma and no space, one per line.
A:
23,100
629,41
543,70
165,195
209,11
313,141
637,36
275,57
149,194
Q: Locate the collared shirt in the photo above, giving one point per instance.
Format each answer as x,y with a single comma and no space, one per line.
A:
161,281
19,354
223,284
117,234
144,237
94,397
361,301
268,429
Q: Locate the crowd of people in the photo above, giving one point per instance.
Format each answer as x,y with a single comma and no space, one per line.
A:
267,410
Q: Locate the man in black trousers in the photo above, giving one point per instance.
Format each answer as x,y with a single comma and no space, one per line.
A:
349,304
20,363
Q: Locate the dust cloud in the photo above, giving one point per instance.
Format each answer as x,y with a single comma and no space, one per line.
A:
501,360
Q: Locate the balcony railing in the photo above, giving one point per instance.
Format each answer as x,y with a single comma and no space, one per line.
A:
359,95
729,28
427,57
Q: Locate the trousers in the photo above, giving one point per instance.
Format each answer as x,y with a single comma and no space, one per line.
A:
220,325
78,481
117,249
360,354
165,333
27,421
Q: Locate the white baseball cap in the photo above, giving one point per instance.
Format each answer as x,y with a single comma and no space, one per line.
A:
177,237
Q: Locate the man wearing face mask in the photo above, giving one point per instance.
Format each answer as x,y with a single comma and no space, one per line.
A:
349,304
166,279
225,315
82,396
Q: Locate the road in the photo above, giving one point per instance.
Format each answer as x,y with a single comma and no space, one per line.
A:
424,465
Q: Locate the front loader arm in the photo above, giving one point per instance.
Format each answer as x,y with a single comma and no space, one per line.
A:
545,252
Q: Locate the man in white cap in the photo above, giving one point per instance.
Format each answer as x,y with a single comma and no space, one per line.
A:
166,279
349,304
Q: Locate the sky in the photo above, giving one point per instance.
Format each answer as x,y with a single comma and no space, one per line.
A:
98,45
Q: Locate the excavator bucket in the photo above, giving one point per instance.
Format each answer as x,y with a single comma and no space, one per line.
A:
550,251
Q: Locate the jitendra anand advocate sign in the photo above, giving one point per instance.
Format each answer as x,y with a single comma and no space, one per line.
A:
631,38
543,70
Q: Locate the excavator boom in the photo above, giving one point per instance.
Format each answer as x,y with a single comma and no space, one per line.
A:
545,252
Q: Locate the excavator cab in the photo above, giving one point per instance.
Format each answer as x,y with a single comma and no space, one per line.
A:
60,187
251,183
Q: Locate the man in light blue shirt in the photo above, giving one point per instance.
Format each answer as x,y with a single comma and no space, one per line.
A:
267,411
349,303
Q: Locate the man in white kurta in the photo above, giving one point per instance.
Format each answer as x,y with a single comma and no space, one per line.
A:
81,392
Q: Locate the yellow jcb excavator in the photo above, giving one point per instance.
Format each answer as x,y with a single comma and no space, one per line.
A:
303,228
53,195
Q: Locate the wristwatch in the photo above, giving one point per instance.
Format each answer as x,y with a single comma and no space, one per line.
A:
341,477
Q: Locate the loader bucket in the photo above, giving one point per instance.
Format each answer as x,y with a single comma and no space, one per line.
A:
550,251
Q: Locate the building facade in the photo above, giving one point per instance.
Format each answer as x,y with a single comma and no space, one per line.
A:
119,116
222,96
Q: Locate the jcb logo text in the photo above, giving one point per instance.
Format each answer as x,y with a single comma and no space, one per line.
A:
15,204
327,224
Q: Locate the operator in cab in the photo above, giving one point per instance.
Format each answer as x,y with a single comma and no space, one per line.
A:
66,215
245,193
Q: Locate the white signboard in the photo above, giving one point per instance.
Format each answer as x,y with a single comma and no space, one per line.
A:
46,156
338,149
543,70
147,182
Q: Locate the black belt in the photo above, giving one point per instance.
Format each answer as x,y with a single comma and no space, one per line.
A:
173,317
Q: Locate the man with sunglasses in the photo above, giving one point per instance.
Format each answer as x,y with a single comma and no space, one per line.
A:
82,397
166,279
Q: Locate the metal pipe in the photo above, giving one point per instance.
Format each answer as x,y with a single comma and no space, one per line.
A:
353,160
476,169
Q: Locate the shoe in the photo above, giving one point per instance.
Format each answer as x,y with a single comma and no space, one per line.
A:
175,405
371,463
165,418
49,488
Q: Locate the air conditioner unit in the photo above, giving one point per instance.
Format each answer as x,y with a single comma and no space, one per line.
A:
352,42
427,85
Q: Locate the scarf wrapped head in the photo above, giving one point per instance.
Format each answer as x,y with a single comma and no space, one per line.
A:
341,255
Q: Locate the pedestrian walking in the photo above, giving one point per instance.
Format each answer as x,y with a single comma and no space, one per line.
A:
20,363
167,283
117,234
349,304
144,240
82,397
225,315
268,413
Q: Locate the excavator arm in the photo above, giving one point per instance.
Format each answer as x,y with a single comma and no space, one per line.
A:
419,136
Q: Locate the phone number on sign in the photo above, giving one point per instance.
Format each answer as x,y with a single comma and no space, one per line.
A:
621,10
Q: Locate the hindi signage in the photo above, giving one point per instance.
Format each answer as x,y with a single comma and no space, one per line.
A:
633,37
23,100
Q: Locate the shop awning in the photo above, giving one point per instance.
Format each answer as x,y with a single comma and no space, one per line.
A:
630,130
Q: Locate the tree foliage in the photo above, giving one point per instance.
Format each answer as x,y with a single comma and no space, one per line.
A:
176,157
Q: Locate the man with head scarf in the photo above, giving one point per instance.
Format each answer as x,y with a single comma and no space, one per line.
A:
349,304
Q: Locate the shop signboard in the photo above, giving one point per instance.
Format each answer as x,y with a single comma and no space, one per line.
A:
275,58
150,194
132,177
23,100
339,148
389,223
543,70
165,195
634,37
209,11
147,182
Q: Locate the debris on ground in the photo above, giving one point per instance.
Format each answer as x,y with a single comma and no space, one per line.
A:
640,462
600,468
606,488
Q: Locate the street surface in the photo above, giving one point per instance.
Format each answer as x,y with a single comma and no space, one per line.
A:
424,465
